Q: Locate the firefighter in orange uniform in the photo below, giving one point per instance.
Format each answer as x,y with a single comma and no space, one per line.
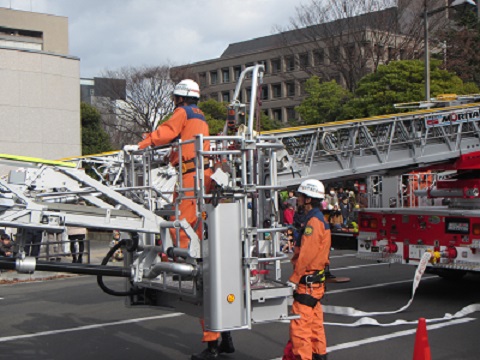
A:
307,333
186,122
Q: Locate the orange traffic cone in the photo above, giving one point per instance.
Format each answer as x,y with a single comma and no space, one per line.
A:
422,348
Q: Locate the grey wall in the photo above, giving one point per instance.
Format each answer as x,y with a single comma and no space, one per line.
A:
39,104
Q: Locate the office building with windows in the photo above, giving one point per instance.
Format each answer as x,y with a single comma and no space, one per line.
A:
291,57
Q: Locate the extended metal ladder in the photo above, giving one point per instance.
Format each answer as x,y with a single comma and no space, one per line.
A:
376,145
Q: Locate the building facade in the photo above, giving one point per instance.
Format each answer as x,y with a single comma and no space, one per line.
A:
39,87
343,50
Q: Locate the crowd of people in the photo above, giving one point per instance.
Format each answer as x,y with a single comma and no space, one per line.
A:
338,208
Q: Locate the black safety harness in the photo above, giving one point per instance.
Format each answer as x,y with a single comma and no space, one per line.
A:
318,277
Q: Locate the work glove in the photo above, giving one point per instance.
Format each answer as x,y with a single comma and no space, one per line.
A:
130,148
292,285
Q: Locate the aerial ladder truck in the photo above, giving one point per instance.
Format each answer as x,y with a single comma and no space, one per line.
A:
440,217
231,274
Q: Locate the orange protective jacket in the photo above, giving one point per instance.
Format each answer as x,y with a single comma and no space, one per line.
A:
312,254
185,123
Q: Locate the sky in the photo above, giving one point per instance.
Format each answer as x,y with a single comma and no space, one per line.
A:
110,34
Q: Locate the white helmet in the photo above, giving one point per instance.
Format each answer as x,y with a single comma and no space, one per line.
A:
312,188
187,88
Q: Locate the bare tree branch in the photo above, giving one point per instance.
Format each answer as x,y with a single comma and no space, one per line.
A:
146,103
349,39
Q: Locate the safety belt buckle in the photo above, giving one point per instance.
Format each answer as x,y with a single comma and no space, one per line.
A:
307,281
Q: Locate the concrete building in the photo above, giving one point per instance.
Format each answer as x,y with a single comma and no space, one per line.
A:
39,86
291,57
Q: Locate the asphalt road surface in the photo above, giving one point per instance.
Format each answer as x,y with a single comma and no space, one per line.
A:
73,319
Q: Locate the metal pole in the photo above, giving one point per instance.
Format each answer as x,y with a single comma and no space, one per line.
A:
427,57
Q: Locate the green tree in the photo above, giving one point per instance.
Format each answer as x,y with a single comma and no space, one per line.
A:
267,123
215,113
94,139
399,82
323,102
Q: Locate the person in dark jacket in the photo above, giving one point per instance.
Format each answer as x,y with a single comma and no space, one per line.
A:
6,246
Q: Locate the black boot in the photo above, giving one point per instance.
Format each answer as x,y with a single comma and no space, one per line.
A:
226,345
319,357
74,259
211,352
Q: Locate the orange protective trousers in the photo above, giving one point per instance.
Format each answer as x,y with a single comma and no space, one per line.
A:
307,333
188,211
188,208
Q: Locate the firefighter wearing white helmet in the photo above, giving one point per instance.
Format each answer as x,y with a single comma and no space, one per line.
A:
187,88
307,334
312,188
186,122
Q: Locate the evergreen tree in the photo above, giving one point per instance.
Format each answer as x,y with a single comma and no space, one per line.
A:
323,102
94,139
400,82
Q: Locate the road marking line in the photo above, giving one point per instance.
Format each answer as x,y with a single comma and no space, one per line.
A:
87,327
376,285
394,335
357,343
358,266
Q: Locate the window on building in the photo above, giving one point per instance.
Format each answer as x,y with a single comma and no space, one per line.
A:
214,96
391,53
290,88
289,63
264,92
276,90
378,50
403,54
213,77
276,66
226,96
291,115
226,75
237,70
350,52
303,60
202,79
277,114
334,53
319,57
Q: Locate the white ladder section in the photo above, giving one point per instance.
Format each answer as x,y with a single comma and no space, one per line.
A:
376,145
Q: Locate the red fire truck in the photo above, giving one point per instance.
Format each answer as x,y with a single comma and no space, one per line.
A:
450,232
